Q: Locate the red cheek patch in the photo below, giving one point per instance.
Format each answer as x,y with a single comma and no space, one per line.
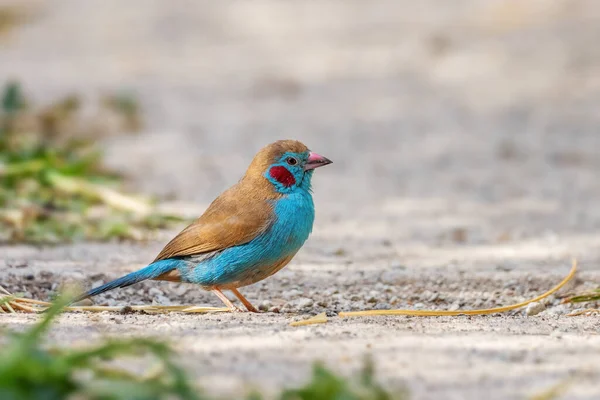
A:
282,175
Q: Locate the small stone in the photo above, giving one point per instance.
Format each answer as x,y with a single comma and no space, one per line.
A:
265,305
274,309
322,303
181,290
109,302
303,302
558,310
435,296
454,306
355,298
126,310
511,284
155,292
374,296
534,308
161,300
289,294
419,305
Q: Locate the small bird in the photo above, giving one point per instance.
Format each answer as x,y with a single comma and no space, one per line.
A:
248,233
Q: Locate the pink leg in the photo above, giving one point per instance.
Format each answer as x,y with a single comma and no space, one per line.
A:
246,303
225,300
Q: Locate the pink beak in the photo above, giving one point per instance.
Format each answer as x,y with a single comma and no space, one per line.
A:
316,161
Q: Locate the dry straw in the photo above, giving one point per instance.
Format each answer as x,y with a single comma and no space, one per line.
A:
443,313
11,304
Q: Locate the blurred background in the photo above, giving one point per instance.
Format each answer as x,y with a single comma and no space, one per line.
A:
464,136
462,98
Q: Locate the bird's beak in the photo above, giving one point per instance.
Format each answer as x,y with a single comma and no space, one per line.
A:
315,161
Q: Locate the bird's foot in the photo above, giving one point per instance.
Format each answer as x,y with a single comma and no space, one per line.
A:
244,301
251,308
232,307
235,309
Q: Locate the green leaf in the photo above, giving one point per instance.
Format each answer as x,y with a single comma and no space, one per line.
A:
13,99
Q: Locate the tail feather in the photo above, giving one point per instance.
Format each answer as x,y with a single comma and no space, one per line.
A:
151,271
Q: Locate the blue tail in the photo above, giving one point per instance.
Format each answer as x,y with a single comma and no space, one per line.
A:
151,271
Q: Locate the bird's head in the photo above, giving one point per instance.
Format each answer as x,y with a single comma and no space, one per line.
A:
287,165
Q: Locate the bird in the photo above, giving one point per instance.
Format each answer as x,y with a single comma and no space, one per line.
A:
248,233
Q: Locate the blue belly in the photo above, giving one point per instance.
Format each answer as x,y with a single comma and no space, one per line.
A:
251,262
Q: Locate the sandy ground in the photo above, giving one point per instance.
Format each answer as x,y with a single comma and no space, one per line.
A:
465,144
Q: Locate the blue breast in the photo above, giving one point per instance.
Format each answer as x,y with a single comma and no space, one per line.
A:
251,262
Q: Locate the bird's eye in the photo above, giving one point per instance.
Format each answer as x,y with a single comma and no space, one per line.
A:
291,161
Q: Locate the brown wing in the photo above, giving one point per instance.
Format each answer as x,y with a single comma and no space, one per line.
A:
235,217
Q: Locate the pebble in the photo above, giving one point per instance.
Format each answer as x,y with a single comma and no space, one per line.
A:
181,290
510,284
155,292
126,310
534,308
110,302
161,300
435,296
558,310
289,294
374,296
303,302
265,305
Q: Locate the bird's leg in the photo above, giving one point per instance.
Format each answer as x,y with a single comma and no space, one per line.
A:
225,300
249,306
